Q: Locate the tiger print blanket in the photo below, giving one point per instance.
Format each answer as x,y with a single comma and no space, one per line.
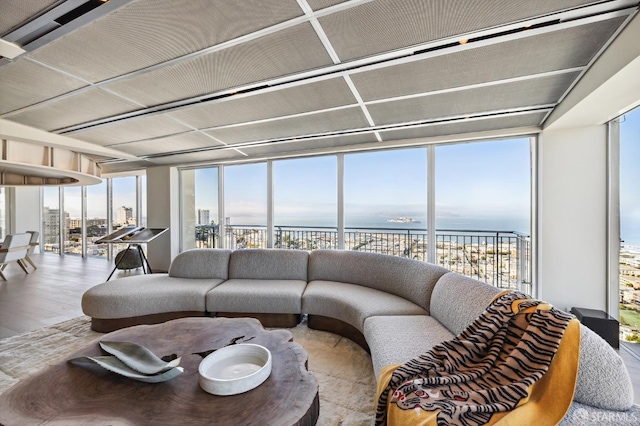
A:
489,368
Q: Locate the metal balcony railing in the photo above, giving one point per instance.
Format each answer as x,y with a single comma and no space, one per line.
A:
499,258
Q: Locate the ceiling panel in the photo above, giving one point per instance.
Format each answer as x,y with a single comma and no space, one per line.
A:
310,144
285,52
196,157
569,48
85,106
533,92
24,83
384,25
465,126
16,12
322,4
148,32
131,130
309,97
347,118
181,142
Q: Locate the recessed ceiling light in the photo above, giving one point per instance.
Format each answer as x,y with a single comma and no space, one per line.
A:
464,41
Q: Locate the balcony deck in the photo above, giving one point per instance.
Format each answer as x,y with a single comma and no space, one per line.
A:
52,294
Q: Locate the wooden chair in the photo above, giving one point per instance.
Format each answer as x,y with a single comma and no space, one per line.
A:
32,247
14,247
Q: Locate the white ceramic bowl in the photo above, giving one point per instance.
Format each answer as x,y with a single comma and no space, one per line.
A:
235,369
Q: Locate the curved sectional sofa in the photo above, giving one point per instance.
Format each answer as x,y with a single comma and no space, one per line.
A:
393,307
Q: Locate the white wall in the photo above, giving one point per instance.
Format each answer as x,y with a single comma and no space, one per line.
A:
26,209
163,212
572,225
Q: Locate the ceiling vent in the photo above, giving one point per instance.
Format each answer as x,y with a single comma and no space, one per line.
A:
60,20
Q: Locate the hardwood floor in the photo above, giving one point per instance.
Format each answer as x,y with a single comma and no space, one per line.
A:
52,294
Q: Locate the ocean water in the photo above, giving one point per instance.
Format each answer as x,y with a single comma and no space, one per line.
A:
507,224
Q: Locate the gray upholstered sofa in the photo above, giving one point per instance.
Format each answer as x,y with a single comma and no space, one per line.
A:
395,308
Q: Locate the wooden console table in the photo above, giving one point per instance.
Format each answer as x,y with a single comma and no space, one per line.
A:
70,394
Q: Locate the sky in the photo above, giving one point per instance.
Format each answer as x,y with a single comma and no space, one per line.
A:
630,178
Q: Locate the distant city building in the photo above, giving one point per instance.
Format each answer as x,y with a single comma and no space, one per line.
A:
75,222
203,217
51,223
124,216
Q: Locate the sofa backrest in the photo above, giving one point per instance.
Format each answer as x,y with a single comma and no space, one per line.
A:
458,300
269,264
201,263
410,279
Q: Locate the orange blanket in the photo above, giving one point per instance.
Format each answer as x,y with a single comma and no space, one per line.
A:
516,364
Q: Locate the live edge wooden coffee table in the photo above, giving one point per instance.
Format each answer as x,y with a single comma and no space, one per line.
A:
68,394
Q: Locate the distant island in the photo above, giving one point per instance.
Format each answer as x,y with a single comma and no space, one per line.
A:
403,220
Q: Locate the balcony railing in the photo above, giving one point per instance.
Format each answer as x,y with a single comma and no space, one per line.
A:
499,258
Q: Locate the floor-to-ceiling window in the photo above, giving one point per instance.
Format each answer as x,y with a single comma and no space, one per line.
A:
123,206
305,203
245,206
629,137
51,219
385,202
199,216
63,214
483,209
97,226
72,217
143,200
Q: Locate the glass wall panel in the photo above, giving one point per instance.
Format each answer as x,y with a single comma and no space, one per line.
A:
123,207
630,229
143,197
199,208
51,219
72,232
386,202
97,226
245,200
483,204
306,203
3,213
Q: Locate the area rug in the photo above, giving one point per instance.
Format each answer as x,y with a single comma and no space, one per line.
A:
343,369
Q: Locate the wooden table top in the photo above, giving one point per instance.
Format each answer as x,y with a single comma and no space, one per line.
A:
65,393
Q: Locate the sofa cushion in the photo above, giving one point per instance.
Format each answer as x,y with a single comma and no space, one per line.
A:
201,263
396,339
353,303
269,264
407,278
458,300
257,296
145,295
603,380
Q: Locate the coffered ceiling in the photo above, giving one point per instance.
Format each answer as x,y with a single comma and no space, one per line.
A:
192,81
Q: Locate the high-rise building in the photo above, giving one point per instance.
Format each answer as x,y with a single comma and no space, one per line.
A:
124,215
203,217
51,222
